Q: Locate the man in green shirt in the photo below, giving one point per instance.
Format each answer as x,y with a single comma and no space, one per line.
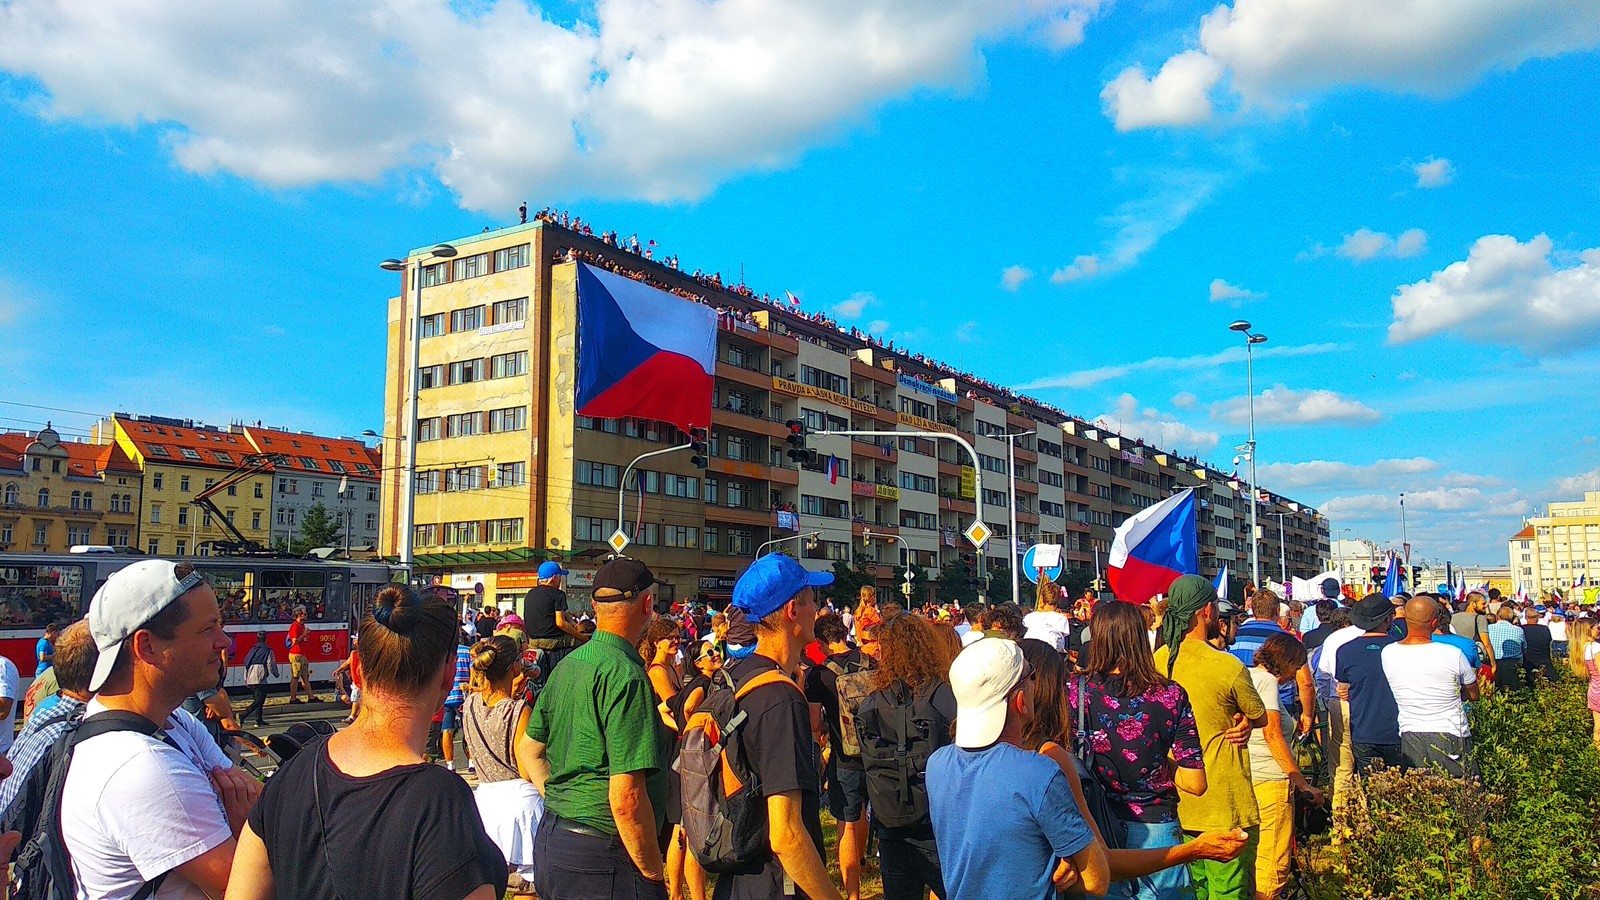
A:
598,754
1226,708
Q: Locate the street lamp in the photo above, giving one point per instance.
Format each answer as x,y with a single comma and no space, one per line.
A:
1011,474
1283,559
409,468
1250,341
1338,549
1405,542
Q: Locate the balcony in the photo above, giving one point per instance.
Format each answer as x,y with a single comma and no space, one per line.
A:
880,375
959,505
740,375
858,526
751,422
753,515
883,448
755,471
758,335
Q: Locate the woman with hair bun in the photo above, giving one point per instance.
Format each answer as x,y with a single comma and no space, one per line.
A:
496,732
363,813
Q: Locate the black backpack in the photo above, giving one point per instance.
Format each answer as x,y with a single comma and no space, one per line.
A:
1095,795
898,730
43,868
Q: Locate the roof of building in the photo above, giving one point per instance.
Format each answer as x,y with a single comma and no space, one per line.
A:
83,459
181,442
334,457
1525,534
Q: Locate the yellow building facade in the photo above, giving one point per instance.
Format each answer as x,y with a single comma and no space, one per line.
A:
56,494
1559,550
179,459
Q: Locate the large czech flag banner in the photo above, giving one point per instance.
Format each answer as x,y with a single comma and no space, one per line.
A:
643,352
1153,548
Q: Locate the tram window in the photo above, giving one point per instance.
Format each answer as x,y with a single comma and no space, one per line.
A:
279,591
233,594
36,595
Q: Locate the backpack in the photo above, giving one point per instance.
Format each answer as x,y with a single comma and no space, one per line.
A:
1095,794
724,809
852,685
43,867
897,736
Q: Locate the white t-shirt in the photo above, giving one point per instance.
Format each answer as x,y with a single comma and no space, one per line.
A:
1327,684
963,628
134,807
1558,628
1263,765
971,637
1048,626
1426,680
1591,651
10,683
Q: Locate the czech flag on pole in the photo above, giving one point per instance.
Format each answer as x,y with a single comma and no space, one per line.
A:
1153,548
643,352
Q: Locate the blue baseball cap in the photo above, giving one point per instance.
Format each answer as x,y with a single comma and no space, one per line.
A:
550,569
772,581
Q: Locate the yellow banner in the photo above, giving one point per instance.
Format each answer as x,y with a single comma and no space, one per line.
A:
921,424
797,389
1590,595
887,492
969,483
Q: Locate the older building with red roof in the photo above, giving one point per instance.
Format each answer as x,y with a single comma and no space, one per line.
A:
57,494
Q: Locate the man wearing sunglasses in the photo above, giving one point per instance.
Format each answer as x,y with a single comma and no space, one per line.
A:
1004,819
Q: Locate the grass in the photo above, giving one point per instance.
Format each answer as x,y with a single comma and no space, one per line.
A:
871,883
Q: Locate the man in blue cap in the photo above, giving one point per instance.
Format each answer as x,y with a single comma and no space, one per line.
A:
778,597
544,614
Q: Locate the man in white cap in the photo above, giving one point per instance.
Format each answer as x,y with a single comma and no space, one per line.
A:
154,800
1004,819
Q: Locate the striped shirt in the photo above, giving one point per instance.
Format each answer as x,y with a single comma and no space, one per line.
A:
458,694
38,736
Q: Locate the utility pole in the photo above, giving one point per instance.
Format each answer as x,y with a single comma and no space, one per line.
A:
1011,473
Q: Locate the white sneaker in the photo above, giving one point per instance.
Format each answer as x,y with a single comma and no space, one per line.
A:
471,767
450,765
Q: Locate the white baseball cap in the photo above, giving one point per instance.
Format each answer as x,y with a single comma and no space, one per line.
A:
128,600
982,677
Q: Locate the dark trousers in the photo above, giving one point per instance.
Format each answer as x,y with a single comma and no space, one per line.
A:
258,704
909,866
1368,755
1508,674
570,866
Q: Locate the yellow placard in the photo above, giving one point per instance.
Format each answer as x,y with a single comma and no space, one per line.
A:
969,483
921,424
797,389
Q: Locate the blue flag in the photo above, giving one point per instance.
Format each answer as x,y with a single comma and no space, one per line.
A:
1391,581
1222,583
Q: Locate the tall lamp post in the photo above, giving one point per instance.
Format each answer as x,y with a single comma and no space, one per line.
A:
1250,341
413,387
1011,473
1405,542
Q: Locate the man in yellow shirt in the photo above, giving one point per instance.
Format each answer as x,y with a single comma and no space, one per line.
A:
1226,707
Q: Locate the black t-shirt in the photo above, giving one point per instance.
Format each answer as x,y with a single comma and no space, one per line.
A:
539,610
777,737
822,687
1374,717
1537,653
412,831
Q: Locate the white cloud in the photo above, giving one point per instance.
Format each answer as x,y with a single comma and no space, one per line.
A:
1090,377
496,99
1223,292
1141,223
1155,427
1506,292
1382,507
1434,173
1013,277
1328,474
967,333
1280,405
1184,400
1277,53
1574,487
1364,245
878,327
855,306
1179,94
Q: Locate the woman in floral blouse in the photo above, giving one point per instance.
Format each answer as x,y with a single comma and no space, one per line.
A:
1143,734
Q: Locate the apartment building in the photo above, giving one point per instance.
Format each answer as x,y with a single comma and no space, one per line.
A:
1559,550
509,475
340,474
56,494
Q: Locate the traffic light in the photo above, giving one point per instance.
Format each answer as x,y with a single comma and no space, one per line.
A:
1416,576
1377,574
697,446
798,453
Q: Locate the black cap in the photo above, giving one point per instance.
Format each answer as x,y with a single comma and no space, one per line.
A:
1371,612
624,577
1330,588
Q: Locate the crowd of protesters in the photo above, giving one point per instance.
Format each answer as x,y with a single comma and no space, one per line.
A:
1172,749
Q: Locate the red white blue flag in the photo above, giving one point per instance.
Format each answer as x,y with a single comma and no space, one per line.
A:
643,352
833,470
1153,548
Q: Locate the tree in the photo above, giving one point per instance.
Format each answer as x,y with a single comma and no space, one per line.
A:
1074,582
958,581
317,528
849,579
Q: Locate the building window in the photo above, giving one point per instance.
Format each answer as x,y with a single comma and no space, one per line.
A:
740,542
686,486
437,273
183,515
510,311
183,483
372,521
44,498
233,490
433,326
429,482
466,372
686,536
336,467
425,535
155,450
155,481
11,495
504,531
508,365
41,534
471,266
511,258
182,549
430,377
469,319
466,478
258,490
586,528
511,474
316,488
713,540
428,429
372,493
255,521
596,474
458,533
511,419
309,463
190,453
463,424
5,533
77,500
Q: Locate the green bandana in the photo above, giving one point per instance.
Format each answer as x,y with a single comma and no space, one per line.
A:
1185,597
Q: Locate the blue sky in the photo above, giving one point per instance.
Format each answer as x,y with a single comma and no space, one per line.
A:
1073,196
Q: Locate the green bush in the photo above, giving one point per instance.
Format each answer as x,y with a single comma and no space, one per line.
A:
1524,830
